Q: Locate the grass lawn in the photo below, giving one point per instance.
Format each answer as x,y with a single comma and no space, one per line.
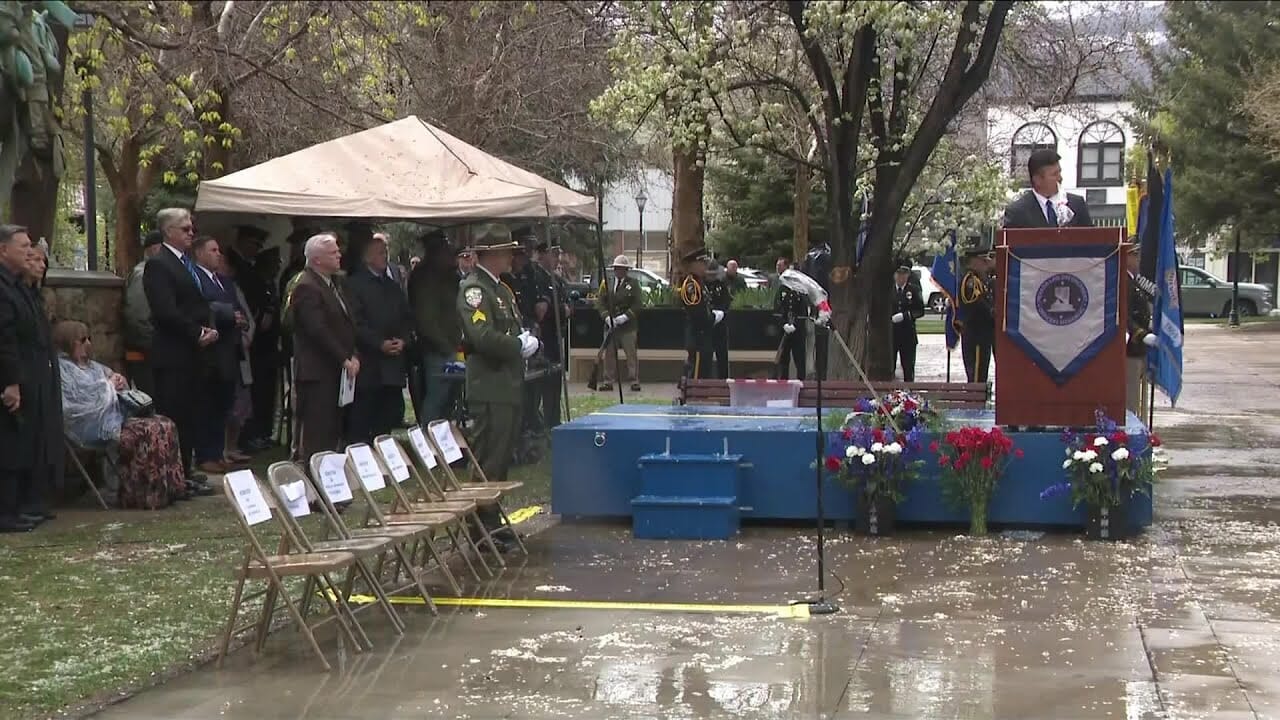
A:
101,602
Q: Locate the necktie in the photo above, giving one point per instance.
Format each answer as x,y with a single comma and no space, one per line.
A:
191,270
1050,214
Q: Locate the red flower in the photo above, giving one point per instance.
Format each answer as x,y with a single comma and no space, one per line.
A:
848,433
965,457
1017,453
877,435
933,446
1120,437
987,462
833,463
909,405
944,461
1155,440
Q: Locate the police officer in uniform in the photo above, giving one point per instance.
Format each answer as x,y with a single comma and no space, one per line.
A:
550,306
792,309
1141,338
977,308
720,297
817,265
907,308
700,318
496,347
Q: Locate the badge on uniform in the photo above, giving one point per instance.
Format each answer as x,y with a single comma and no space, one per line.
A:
478,316
474,296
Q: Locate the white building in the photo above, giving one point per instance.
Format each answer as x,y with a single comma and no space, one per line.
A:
622,218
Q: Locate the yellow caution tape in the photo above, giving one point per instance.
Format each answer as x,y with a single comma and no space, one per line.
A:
783,611
523,514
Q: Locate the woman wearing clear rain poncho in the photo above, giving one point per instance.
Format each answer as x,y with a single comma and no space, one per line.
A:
144,449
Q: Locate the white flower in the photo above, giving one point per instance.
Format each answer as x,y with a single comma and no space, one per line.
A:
1089,456
893,448
1095,468
1068,452
1078,455
850,451
858,450
897,410
877,447
868,459
1066,464
1120,454
1099,442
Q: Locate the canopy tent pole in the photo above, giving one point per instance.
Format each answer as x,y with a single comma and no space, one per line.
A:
617,372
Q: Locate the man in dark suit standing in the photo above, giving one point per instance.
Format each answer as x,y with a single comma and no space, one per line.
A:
384,330
324,348
182,329
255,276
907,308
220,373
1046,204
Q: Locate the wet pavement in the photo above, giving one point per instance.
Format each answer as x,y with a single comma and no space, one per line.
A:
1181,623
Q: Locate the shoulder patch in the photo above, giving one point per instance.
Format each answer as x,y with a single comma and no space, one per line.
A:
474,296
478,316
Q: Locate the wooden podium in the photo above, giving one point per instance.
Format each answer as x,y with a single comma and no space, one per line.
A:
1028,395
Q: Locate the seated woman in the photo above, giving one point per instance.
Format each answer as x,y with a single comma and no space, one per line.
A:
143,449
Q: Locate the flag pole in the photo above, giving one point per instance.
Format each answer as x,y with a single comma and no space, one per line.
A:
948,362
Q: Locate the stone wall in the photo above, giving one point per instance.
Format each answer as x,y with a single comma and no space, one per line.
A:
96,299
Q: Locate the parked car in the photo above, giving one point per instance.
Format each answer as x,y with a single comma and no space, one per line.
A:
579,293
1204,294
934,299
647,279
754,278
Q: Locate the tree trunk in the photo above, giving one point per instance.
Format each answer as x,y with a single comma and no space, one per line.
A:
129,183
686,210
800,216
847,305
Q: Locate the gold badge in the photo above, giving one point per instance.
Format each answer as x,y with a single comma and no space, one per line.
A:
478,316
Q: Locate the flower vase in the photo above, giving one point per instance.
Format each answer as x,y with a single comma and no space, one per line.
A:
878,517
1108,522
978,517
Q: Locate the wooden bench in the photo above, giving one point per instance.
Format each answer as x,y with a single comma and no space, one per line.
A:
844,393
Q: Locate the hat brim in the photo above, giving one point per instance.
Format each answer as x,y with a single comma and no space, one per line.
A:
494,248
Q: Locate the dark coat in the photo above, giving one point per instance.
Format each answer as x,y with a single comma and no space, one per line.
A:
223,357
26,360
323,334
381,312
1139,320
433,294
178,311
1025,212
908,302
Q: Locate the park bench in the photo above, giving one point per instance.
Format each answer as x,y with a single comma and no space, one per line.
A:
843,393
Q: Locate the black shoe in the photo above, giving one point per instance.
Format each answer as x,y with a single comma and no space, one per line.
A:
635,387
32,519
199,490
198,478
15,525
37,516
605,387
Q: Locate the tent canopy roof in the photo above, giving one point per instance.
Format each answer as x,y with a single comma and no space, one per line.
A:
404,170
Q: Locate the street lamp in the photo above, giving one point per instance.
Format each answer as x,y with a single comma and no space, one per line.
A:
1234,318
641,201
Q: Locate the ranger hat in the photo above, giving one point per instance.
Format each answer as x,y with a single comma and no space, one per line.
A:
492,236
621,261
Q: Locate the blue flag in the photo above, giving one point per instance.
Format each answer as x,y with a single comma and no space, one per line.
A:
1164,361
946,274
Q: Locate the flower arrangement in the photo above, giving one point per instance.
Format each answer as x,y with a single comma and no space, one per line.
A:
876,463
902,409
1101,468
972,461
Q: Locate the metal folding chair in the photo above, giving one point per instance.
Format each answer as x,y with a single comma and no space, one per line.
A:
74,450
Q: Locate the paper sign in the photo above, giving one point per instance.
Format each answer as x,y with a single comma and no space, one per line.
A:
333,478
419,441
779,403
367,468
295,498
346,388
443,435
248,496
395,461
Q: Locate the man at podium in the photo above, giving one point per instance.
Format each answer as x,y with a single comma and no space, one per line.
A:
1046,204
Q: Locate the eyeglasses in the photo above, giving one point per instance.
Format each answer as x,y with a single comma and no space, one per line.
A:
187,229
84,339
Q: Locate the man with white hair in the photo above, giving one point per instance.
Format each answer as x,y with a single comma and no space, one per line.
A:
324,347
180,334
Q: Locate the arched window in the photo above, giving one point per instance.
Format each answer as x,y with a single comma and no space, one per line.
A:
1101,155
1026,140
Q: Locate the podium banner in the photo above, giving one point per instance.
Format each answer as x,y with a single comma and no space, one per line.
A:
1061,304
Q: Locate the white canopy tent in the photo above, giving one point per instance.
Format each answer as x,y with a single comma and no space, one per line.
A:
404,170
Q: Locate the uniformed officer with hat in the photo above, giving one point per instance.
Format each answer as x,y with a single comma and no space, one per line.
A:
700,318
977,310
496,347
618,303
1140,336
908,306
551,318
720,298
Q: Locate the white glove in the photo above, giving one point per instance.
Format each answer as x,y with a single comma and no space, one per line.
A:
788,328
898,317
824,317
620,320
528,346
1150,339
608,323
718,315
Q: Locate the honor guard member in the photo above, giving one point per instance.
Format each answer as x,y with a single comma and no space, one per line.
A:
977,307
908,307
720,297
620,296
550,306
496,347
1140,336
792,309
700,318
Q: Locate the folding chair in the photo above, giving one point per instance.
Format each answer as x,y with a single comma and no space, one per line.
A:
434,453
451,446
288,484
396,465
251,509
74,450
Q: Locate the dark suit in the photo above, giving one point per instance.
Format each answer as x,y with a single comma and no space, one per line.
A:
264,353
721,298
26,360
906,300
221,368
323,339
178,311
1025,211
978,330
791,308
381,312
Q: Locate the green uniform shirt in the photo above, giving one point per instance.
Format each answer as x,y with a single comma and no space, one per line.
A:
625,301
491,333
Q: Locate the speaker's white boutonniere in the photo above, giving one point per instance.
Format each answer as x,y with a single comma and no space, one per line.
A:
1062,209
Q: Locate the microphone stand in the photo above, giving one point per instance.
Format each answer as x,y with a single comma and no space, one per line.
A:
820,605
